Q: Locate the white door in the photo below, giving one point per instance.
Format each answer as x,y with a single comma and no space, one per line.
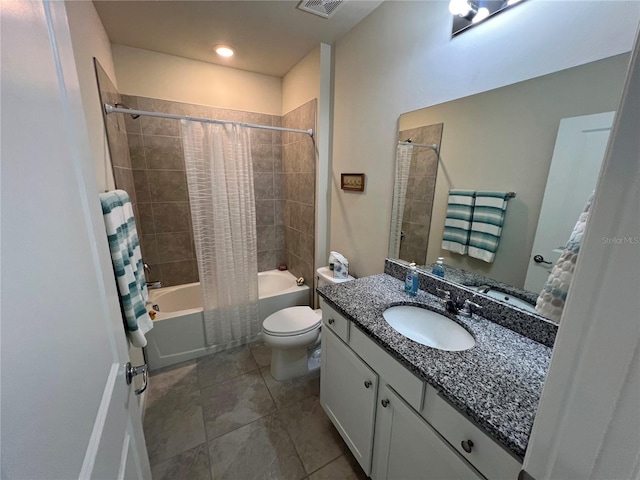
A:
575,166
66,409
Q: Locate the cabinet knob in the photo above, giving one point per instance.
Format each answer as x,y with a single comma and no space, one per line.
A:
331,320
384,403
367,383
467,445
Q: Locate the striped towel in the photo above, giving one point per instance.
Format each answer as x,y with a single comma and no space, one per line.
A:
486,228
457,225
127,263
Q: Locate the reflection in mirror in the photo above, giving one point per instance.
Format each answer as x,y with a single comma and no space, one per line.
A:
415,181
505,140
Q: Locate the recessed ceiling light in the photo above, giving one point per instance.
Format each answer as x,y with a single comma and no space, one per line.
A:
224,50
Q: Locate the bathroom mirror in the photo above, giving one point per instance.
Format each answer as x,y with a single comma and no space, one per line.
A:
504,140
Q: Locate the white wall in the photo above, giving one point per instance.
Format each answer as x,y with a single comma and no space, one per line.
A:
302,82
157,75
401,58
90,40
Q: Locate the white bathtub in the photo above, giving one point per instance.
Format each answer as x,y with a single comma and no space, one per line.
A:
178,329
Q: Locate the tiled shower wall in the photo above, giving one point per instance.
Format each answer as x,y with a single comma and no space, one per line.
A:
416,218
299,172
158,170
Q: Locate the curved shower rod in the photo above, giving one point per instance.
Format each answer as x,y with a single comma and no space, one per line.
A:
130,111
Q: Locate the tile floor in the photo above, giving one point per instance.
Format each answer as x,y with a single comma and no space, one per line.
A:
225,417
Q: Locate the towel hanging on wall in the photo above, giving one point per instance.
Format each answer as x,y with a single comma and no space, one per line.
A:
486,227
457,225
127,263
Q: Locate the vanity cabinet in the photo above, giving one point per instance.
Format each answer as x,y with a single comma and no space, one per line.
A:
407,447
418,434
348,390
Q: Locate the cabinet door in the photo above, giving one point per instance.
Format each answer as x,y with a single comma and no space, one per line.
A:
348,394
408,448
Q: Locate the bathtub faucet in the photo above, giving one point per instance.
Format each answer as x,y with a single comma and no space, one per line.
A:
150,285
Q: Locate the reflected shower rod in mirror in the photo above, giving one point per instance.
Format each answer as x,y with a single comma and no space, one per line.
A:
409,142
130,111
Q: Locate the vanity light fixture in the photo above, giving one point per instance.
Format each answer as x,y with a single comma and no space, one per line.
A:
467,13
224,50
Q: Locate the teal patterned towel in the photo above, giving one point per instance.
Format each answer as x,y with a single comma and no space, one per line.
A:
486,227
457,224
551,300
127,263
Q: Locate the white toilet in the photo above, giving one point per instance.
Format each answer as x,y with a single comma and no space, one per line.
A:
294,336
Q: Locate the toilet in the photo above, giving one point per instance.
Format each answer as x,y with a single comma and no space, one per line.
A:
294,336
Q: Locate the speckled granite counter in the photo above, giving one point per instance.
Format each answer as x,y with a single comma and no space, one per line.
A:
497,383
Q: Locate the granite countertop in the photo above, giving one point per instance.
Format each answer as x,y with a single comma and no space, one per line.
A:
497,383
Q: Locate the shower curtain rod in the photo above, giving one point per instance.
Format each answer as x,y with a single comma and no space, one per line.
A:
130,111
434,146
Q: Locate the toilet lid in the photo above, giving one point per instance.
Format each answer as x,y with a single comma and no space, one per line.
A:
291,321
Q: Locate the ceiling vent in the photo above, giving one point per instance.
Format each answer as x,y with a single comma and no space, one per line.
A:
322,8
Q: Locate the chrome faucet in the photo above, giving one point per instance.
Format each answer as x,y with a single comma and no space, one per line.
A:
469,308
151,285
449,304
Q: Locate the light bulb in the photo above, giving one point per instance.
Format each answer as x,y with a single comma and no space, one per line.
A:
459,7
224,51
481,15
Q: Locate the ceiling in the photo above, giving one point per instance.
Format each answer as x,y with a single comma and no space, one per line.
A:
269,36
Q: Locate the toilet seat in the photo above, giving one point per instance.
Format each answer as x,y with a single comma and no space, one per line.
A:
291,321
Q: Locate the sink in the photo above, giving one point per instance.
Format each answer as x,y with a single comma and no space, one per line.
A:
516,302
428,328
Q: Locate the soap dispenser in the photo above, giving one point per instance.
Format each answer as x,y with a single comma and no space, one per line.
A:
411,281
437,267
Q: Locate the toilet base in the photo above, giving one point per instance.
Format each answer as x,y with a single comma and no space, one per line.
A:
288,363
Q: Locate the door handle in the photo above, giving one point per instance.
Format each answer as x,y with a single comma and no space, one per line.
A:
540,259
131,371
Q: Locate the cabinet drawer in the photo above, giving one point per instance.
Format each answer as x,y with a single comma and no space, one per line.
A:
336,322
491,459
404,382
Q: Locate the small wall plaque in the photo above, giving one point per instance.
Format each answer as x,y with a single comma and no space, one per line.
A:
352,181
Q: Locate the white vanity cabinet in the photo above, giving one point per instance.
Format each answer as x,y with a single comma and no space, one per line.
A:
398,427
408,448
348,390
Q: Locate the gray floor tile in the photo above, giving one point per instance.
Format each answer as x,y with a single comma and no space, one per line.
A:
314,436
234,403
224,365
192,465
290,391
261,353
342,468
171,381
260,450
173,425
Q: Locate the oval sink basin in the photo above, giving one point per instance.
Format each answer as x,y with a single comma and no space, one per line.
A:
428,328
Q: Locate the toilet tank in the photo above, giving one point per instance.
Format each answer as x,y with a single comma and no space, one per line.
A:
325,277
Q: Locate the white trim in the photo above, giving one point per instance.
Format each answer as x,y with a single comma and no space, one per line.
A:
98,426
124,455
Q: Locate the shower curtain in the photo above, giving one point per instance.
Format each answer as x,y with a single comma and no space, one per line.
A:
403,162
220,180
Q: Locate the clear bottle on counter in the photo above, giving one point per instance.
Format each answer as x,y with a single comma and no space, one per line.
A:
411,281
437,267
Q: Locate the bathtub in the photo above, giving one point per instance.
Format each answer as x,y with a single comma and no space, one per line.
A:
178,328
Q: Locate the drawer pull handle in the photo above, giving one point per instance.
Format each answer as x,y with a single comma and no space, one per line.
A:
467,445
367,383
384,403
331,320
